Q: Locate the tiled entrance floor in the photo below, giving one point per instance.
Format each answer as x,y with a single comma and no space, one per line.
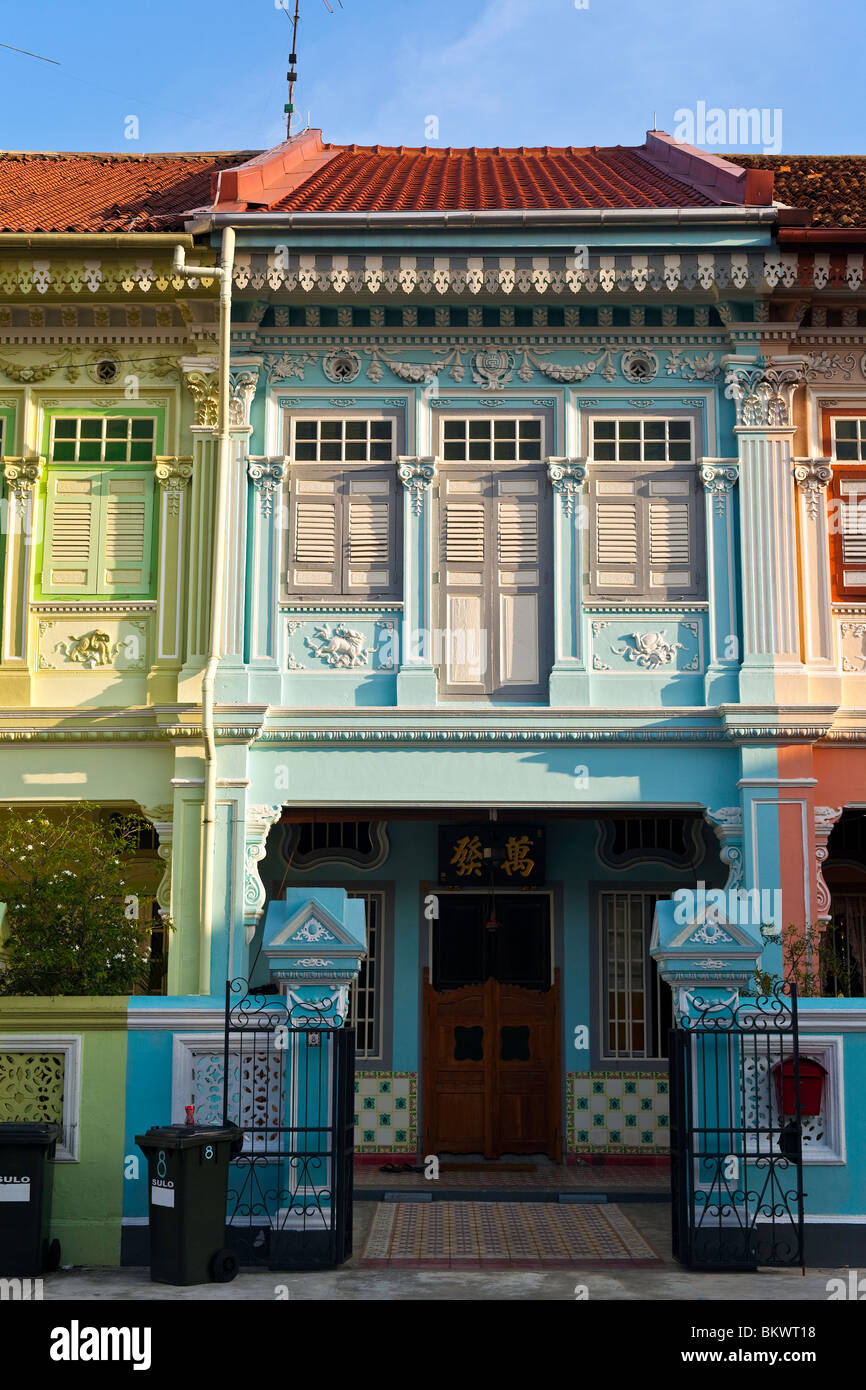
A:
544,1176
501,1235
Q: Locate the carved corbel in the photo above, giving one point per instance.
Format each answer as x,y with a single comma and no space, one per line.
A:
266,473
259,819
812,477
727,823
417,475
567,477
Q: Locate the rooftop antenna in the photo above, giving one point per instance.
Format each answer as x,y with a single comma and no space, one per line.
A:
292,74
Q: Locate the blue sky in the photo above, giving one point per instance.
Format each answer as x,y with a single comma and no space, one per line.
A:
493,72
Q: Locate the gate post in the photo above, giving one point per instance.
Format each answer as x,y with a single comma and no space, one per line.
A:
314,941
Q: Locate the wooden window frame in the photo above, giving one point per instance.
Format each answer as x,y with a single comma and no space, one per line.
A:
844,470
641,475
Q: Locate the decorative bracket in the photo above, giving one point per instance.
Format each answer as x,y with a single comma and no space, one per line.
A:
567,477
727,822
825,818
173,474
259,819
417,475
22,475
266,473
719,477
812,477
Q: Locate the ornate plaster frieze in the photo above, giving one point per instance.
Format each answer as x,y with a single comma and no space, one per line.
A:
173,474
416,475
22,475
120,642
557,274
651,649
825,819
762,394
567,477
266,473
851,637
719,477
812,477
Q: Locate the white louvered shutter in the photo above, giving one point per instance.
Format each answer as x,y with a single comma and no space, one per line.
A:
616,558
466,626
519,500
371,526
852,526
71,552
126,537
671,533
315,541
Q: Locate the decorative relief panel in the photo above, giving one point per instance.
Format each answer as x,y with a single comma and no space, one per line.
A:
31,1086
332,643
852,645
98,641
657,647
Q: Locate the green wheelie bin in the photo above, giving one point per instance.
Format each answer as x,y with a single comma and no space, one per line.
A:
26,1185
188,1170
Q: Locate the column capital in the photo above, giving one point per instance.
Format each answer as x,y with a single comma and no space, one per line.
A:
202,381
417,474
762,390
567,477
719,477
812,477
244,380
266,473
22,474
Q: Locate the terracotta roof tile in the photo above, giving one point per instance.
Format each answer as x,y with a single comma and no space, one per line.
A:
832,187
375,178
105,192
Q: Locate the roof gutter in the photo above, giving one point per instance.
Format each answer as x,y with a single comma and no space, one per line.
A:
507,217
115,241
823,236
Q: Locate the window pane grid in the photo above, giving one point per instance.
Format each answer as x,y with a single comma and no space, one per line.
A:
328,440
642,440
102,439
849,438
515,439
634,1006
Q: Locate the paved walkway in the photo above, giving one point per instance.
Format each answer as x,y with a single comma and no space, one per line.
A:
662,1283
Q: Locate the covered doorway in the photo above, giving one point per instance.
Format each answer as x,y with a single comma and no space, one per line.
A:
491,1048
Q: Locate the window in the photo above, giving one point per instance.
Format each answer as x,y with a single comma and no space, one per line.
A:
645,441
636,1009
359,844
99,520
849,438
345,523
506,441
495,582
627,840
646,537
365,996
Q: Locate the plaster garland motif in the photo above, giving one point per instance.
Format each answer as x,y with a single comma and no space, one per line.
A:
719,479
812,477
650,650
567,477
341,647
266,474
417,475
22,475
173,474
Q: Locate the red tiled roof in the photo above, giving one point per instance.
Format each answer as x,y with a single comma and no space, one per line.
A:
831,187
105,192
376,178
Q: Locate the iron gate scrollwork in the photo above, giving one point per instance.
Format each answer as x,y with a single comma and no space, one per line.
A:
288,1083
736,1145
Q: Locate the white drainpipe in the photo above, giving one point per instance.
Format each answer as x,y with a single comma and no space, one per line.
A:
222,273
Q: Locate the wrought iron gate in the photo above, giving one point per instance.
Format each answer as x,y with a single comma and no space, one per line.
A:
736,1134
290,1089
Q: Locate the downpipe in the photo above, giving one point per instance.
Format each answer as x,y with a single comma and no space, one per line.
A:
222,273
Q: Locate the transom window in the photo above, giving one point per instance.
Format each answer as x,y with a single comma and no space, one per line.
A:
508,441
355,441
102,439
849,438
642,441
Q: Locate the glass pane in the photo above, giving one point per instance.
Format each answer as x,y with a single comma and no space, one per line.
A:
331,451
530,429
605,451
680,452
356,451
141,451
455,451
305,429
531,449
64,429
505,449
455,429
356,429
479,429
142,429
654,429
846,450
629,429
629,451
845,429
680,429
64,453
504,429
305,452
380,451
115,451
90,452
480,450
605,429
116,427
91,429
654,452
380,429
331,429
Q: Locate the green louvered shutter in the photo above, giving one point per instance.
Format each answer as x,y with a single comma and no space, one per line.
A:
127,532
71,551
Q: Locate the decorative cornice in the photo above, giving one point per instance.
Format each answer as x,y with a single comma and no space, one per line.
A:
812,477
567,477
22,475
417,475
266,473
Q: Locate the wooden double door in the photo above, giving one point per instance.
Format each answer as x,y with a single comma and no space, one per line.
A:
491,1070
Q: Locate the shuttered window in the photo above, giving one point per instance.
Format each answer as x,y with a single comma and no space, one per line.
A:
98,532
646,534
494,583
343,535
848,532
